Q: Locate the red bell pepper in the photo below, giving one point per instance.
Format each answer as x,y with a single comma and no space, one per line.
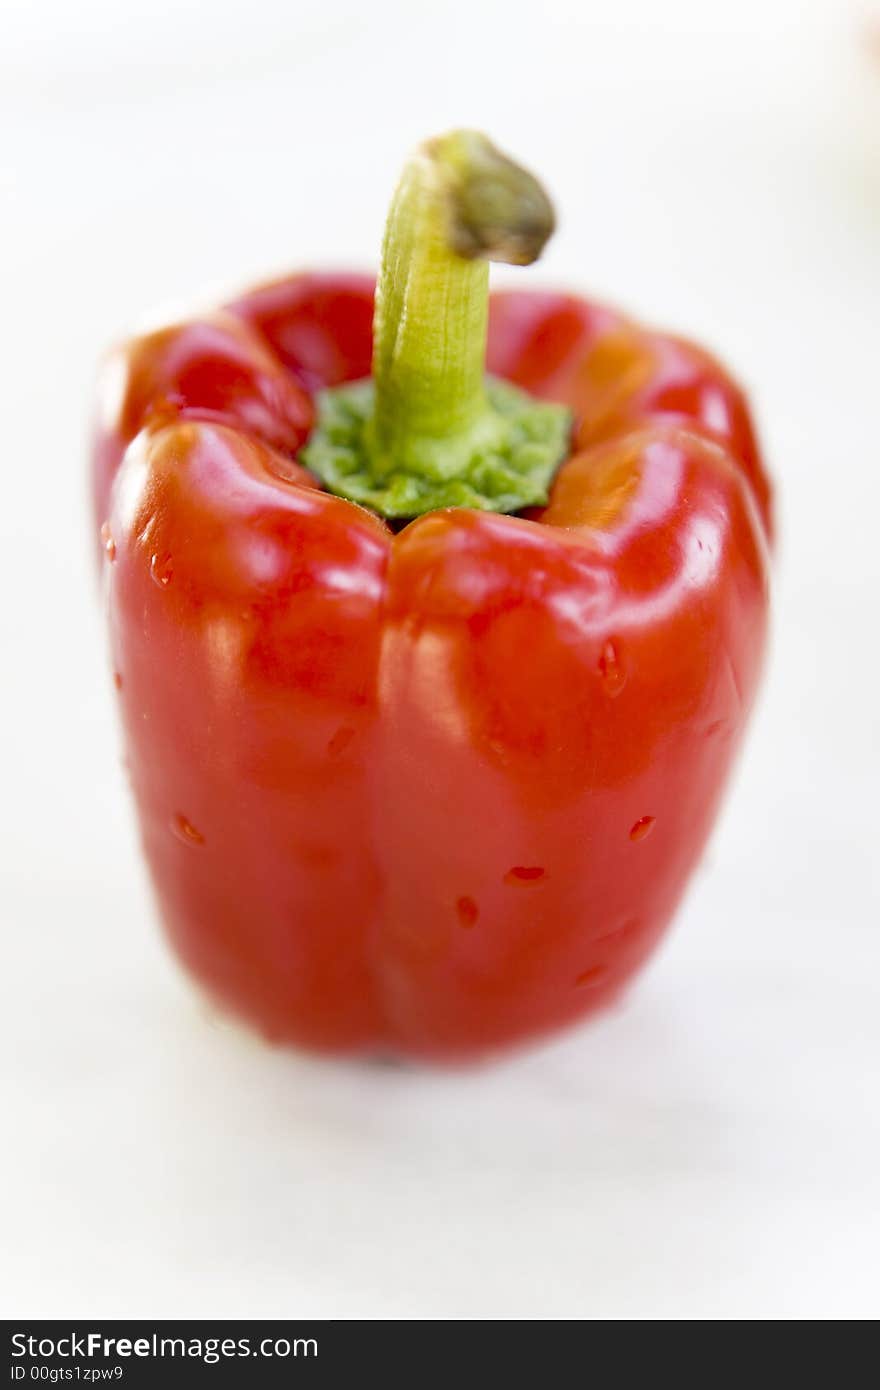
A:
427,785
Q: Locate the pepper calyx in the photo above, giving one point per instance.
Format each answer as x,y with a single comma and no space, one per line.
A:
511,460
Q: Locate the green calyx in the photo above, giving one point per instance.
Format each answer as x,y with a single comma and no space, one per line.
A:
429,430
512,466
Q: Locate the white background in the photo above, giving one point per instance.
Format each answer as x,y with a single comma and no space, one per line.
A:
711,1148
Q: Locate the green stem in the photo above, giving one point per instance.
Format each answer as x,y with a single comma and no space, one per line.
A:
430,431
431,322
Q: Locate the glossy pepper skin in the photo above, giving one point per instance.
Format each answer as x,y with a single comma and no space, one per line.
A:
436,790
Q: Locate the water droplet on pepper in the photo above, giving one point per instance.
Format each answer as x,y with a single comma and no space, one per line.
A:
589,979
161,570
186,831
467,910
340,741
521,873
643,826
611,668
622,929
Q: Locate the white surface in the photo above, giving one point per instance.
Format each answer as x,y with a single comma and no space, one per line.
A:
713,1147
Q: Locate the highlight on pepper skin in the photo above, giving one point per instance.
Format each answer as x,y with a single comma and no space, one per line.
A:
431,781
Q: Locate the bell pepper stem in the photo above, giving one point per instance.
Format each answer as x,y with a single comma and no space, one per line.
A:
429,430
459,203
